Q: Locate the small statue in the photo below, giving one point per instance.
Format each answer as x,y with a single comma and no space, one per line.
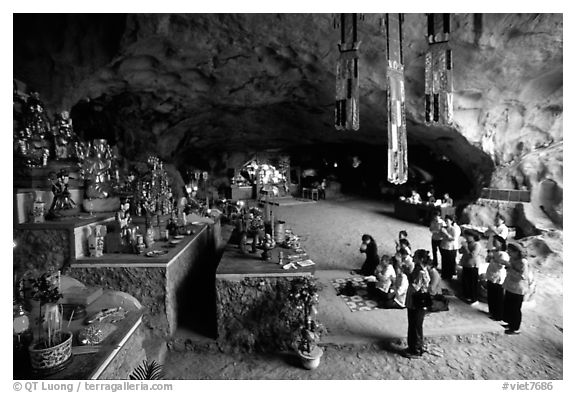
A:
96,170
30,141
267,245
64,137
62,199
124,220
254,229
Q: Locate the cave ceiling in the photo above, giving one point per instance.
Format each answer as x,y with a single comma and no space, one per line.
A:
195,84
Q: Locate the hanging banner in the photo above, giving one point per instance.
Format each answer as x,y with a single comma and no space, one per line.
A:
438,76
347,110
397,144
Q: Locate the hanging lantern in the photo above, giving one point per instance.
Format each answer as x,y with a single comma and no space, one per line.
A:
347,111
397,145
438,71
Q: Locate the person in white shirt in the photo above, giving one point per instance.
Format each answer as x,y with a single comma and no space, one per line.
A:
419,281
436,225
385,276
414,197
449,247
499,228
497,259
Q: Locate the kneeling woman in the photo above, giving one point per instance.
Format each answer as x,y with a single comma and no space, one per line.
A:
383,288
369,248
419,281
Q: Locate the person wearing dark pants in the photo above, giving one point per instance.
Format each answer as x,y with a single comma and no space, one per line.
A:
448,263
495,300
513,311
436,225
515,287
449,247
415,331
369,248
497,259
470,261
419,281
470,284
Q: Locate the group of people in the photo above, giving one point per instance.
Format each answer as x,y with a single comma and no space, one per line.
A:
399,281
415,198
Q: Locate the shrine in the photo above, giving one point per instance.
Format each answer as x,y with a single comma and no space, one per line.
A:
287,196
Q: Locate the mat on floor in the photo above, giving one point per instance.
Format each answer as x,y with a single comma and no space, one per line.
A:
358,302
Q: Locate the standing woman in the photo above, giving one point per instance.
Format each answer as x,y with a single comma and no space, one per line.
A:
515,287
449,247
470,261
369,248
497,260
419,280
436,226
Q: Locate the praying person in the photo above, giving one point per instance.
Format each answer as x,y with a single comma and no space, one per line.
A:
385,277
497,259
419,281
400,286
515,286
470,262
369,248
499,228
447,201
449,247
436,225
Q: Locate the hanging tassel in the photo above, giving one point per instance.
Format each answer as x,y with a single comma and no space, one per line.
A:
438,78
397,144
347,110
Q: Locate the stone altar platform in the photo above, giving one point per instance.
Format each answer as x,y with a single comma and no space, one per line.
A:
252,309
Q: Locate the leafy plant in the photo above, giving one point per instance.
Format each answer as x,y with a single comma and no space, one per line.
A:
303,296
148,371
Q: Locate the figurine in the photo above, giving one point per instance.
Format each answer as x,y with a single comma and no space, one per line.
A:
267,245
62,200
123,219
64,137
254,230
30,143
96,168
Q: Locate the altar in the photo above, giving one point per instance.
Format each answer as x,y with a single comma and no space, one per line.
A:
251,297
115,357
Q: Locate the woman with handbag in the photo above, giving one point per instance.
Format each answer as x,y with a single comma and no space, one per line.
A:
416,303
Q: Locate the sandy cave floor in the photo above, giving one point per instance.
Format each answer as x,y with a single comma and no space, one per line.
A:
330,232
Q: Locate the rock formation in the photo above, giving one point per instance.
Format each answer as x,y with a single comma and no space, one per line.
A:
209,89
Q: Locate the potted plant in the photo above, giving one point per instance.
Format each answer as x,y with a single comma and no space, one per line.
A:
52,348
304,297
